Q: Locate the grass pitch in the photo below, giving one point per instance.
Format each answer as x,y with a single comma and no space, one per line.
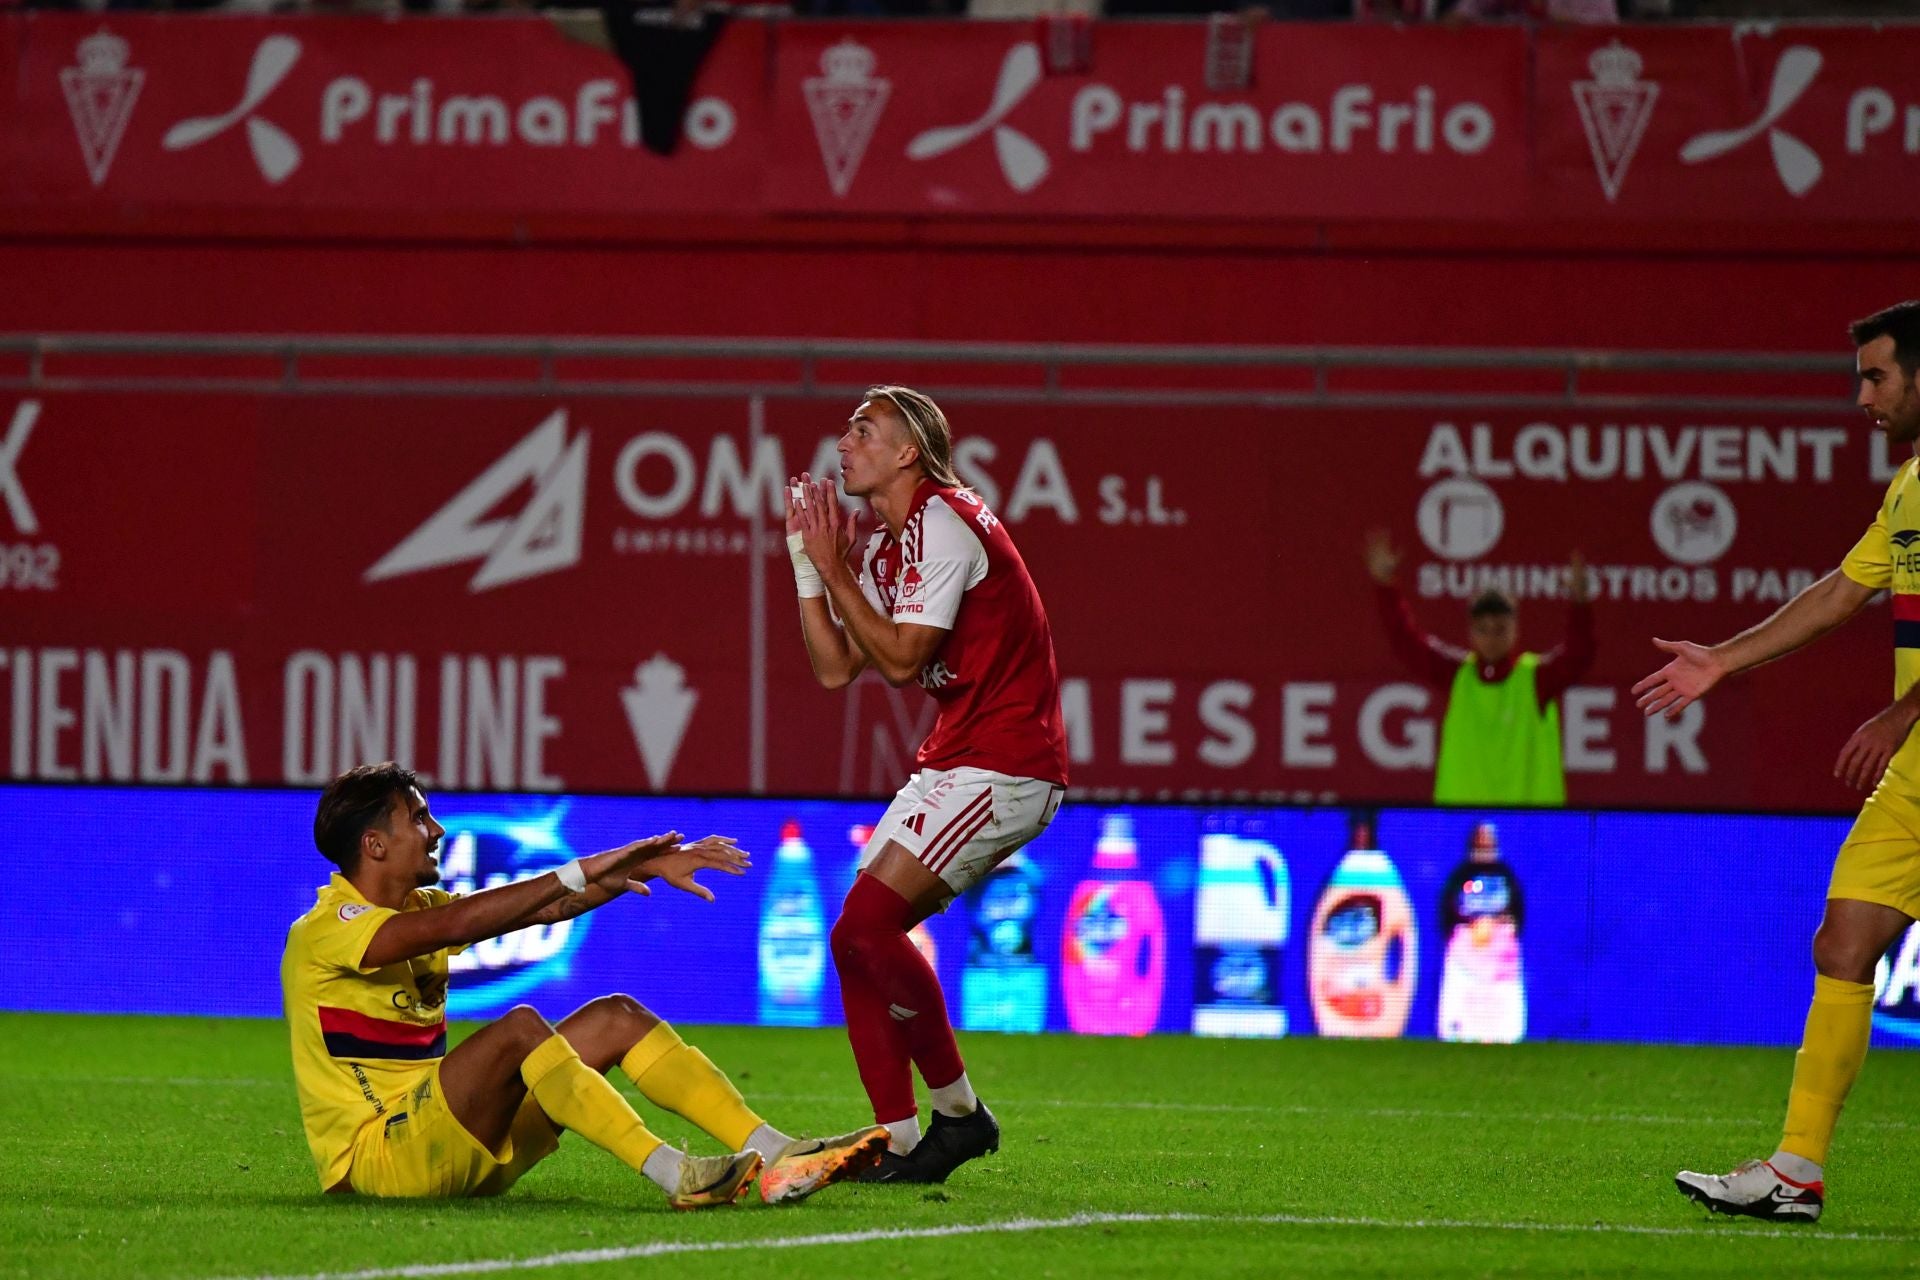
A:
172,1148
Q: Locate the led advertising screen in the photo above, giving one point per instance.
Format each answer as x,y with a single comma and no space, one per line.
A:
1119,920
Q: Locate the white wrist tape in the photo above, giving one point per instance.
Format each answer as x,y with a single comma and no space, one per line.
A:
805,576
573,876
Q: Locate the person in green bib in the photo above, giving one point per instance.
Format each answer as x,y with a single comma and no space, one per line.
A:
1500,740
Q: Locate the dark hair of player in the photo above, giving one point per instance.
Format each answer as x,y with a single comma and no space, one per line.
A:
1901,322
353,802
1491,603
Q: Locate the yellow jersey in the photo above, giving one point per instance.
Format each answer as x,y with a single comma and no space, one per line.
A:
1887,557
361,1037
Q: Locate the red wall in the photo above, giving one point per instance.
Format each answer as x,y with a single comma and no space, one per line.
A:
842,287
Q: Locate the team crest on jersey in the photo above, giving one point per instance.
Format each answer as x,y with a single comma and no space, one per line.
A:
907,599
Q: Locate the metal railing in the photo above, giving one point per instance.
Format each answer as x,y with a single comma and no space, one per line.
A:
1060,373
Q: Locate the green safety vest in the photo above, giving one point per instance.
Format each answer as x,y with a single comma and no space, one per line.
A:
1496,745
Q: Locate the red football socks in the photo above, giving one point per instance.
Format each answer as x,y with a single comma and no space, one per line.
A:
895,1009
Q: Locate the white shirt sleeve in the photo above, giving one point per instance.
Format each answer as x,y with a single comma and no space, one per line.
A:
952,561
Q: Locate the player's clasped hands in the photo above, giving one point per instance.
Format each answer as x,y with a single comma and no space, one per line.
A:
813,512
665,857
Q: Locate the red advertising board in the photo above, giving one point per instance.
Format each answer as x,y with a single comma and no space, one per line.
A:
1337,122
318,116
311,123
521,593
1731,124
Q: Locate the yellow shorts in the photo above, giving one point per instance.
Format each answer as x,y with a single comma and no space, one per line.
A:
1880,860
420,1150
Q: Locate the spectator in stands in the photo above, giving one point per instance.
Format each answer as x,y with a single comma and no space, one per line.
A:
1500,740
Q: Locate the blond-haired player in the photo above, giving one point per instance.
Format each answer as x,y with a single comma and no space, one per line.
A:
942,599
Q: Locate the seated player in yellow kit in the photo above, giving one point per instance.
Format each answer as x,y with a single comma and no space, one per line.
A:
1874,892
390,1112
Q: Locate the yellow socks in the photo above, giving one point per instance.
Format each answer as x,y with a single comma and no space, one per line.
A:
579,1098
1831,1052
673,1074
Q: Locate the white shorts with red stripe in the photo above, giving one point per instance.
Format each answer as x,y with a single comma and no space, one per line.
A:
961,823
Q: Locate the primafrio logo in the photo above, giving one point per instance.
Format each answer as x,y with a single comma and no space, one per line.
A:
543,538
100,94
1022,163
1615,107
1796,163
274,151
845,103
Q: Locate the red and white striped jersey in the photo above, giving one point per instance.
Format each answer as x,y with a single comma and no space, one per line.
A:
994,678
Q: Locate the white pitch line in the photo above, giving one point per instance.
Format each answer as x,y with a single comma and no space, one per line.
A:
182,1082
1383,1113
1095,1104
664,1248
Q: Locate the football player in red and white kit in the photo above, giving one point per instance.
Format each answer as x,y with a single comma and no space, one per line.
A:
943,598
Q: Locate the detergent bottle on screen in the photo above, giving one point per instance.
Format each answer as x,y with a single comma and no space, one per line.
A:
1004,985
1364,949
1113,961
1240,908
1483,990
793,943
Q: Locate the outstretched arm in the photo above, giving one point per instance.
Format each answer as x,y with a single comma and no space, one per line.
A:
676,866
1426,655
543,899
1694,669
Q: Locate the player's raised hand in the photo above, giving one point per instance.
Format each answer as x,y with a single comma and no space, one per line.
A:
797,489
1383,562
612,869
1579,581
1872,745
1693,670
678,865
824,532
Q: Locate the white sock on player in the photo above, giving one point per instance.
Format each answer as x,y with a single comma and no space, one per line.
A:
1798,1168
903,1135
663,1166
956,1099
769,1142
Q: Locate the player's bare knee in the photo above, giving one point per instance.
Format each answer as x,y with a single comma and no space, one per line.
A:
628,1013
1843,955
528,1028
